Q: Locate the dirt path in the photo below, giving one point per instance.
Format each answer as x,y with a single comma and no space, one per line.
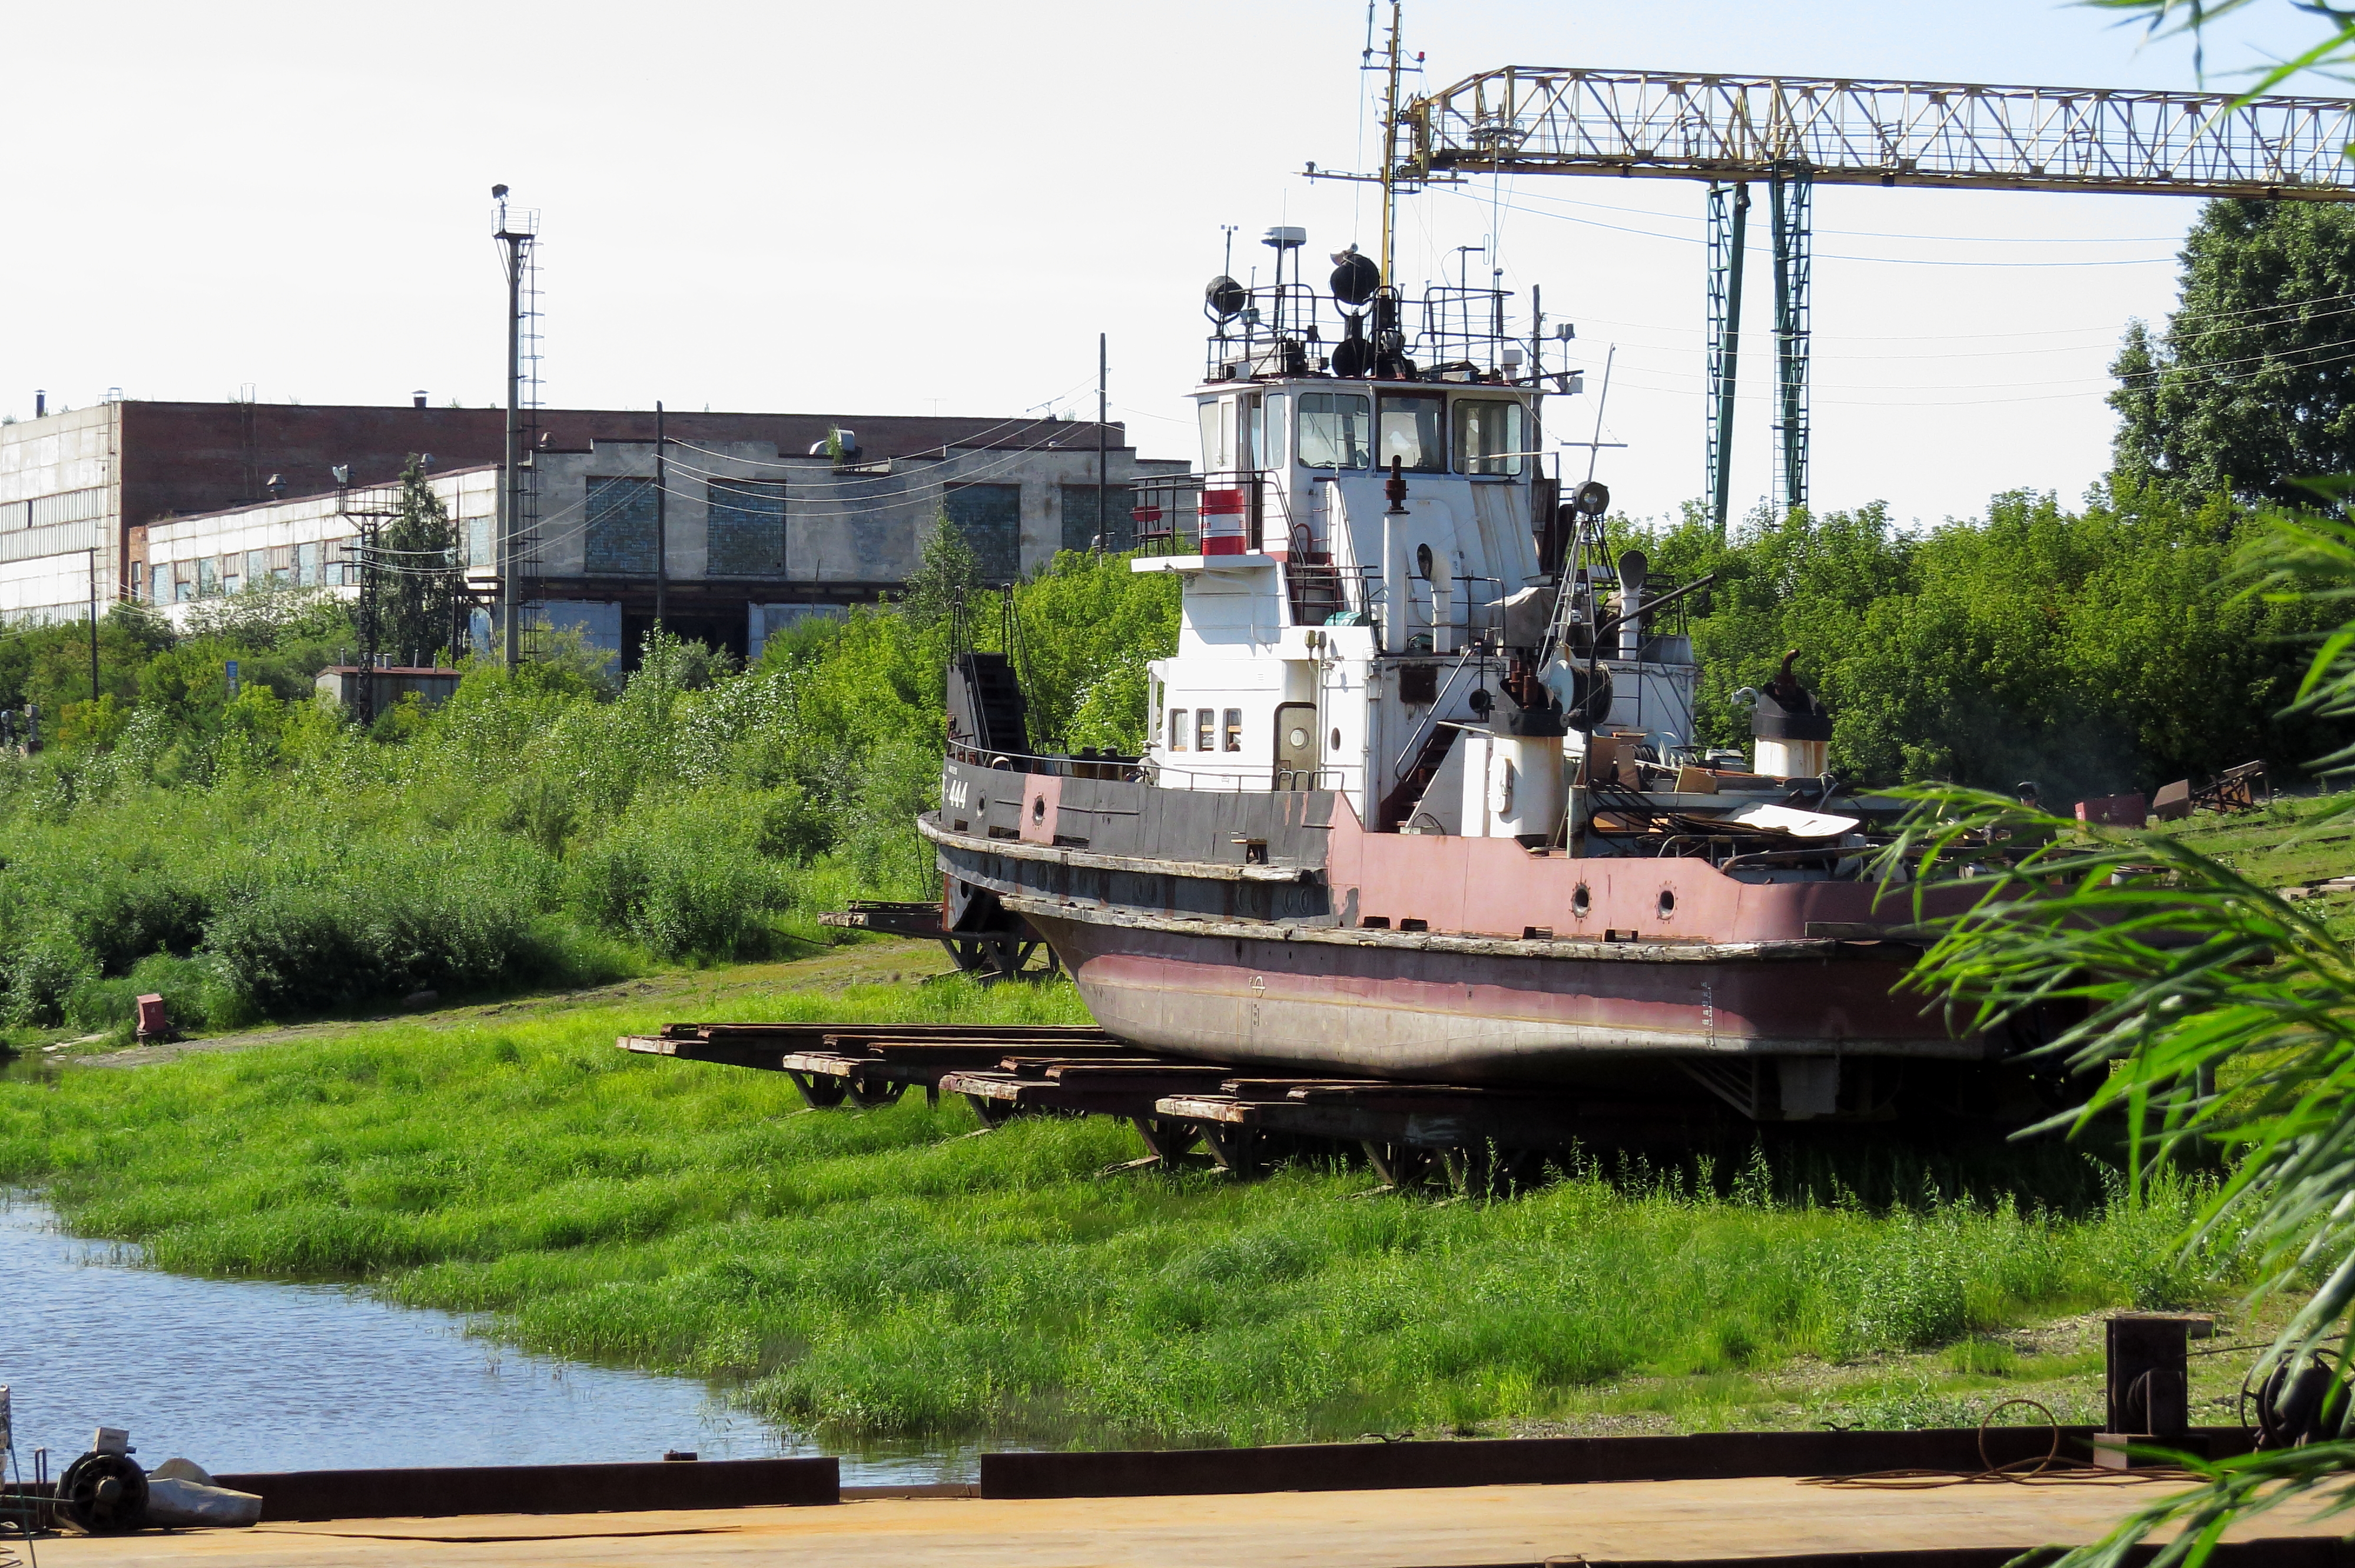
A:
694,994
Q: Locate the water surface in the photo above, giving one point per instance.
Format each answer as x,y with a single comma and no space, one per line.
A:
257,1375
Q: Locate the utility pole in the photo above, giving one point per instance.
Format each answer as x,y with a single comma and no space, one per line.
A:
93,623
517,243
662,527
1104,527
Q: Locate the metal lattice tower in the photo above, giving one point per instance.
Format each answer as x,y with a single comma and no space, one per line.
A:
518,236
530,399
1796,132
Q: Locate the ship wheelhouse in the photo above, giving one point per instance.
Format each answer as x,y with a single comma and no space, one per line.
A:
1339,634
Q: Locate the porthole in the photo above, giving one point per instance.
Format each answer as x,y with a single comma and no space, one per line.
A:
1667,903
1580,902
1336,739
1038,810
1299,738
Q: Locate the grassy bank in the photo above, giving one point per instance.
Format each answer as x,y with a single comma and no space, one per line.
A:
889,1273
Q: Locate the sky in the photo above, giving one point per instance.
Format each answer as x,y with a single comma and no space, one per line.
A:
927,208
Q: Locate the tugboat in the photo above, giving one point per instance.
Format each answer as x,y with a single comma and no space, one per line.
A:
1423,800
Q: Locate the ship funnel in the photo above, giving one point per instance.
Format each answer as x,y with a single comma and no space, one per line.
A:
1791,727
1633,570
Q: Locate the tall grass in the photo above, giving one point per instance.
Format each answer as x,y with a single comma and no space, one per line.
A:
868,1274
542,827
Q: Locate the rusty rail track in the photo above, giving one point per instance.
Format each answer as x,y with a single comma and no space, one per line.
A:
1186,1111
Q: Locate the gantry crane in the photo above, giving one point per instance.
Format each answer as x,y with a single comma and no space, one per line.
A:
1795,132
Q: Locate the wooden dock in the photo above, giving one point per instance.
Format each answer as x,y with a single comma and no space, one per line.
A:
1782,1521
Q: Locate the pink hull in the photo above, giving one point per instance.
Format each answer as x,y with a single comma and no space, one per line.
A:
1388,1011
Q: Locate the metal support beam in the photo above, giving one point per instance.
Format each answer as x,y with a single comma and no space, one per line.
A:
1790,189
1797,131
1729,214
1685,125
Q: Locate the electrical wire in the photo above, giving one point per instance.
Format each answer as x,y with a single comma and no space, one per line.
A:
2281,357
2197,318
1879,234
1828,255
970,436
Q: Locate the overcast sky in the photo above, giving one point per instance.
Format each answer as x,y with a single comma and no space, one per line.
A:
919,206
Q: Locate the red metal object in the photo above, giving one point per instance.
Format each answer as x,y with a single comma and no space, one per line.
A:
153,1023
1222,523
2116,812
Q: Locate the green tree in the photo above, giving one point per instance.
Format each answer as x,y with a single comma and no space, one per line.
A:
2250,390
414,574
947,577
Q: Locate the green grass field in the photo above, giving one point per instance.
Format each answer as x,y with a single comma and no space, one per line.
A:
894,1274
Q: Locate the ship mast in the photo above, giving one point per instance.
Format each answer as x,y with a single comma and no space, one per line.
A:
1390,145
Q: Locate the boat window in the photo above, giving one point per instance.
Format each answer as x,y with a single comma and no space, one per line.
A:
1279,406
1410,433
1235,729
1205,728
1333,429
1488,435
1176,729
1218,436
1253,451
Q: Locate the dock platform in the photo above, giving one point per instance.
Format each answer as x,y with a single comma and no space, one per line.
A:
1783,1522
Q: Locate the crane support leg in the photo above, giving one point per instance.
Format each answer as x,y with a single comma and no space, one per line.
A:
1729,213
1792,187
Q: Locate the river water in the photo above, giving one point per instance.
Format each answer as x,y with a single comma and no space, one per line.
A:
249,1375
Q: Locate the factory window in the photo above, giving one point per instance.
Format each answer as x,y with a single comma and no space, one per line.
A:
1411,433
1235,729
988,518
1488,435
307,565
1080,526
618,531
1333,429
208,578
257,568
745,528
1206,722
1176,729
159,577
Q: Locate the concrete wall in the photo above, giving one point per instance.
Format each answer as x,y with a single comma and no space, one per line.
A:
302,541
129,464
58,503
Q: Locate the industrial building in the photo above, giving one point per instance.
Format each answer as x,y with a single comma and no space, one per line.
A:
763,517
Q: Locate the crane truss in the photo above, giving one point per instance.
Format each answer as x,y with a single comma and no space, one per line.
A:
1544,119
1795,131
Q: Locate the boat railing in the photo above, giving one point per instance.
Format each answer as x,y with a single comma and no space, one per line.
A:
1240,782
1451,333
1089,763
1086,763
1224,512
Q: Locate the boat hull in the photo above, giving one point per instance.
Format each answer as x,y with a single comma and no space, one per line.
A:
1394,1011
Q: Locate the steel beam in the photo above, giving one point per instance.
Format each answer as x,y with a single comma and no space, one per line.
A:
1680,125
1789,189
1729,213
